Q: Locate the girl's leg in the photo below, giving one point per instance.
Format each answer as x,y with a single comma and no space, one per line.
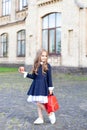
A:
39,120
51,115
40,108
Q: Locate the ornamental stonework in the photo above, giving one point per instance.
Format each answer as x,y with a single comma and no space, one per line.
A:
46,2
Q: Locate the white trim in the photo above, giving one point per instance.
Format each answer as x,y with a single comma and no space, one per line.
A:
51,88
41,99
25,74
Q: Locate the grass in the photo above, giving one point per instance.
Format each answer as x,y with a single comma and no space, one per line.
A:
8,69
56,76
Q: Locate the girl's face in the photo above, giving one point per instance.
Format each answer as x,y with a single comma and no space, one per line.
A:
43,56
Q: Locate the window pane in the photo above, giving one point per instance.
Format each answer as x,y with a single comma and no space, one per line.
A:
23,48
21,43
22,4
45,22
6,7
58,40
19,48
45,39
4,38
52,20
4,44
1,48
3,8
25,3
4,49
22,35
51,41
9,7
19,36
58,19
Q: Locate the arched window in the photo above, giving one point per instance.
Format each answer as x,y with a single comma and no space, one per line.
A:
6,7
4,45
51,33
21,39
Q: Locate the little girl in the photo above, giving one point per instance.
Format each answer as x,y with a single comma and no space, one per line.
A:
41,85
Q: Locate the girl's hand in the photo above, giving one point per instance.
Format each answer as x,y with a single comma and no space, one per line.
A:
21,69
50,92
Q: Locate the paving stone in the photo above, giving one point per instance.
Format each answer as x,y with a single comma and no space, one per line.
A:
17,114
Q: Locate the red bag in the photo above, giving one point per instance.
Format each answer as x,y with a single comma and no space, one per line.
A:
52,104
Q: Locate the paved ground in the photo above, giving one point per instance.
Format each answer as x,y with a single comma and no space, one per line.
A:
17,114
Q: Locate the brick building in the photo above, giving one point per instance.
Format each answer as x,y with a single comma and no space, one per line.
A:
60,26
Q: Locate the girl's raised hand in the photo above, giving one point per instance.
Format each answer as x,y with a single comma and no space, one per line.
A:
21,69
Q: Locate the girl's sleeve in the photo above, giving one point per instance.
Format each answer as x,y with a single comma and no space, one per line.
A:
49,78
31,76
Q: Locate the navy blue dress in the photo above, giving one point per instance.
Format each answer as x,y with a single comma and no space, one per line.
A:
39,88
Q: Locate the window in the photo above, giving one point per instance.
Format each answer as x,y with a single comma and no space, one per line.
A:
51,33
21,43
22,4
4,45
6,7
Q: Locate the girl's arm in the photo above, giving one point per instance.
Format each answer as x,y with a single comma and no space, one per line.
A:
49,79
26,74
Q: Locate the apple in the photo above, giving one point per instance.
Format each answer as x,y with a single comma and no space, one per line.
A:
21,68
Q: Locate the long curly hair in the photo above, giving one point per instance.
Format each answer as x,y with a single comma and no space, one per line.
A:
37,62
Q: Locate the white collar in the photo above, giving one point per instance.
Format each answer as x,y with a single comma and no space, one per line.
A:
41,63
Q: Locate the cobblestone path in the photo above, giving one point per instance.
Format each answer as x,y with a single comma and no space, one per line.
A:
17,114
